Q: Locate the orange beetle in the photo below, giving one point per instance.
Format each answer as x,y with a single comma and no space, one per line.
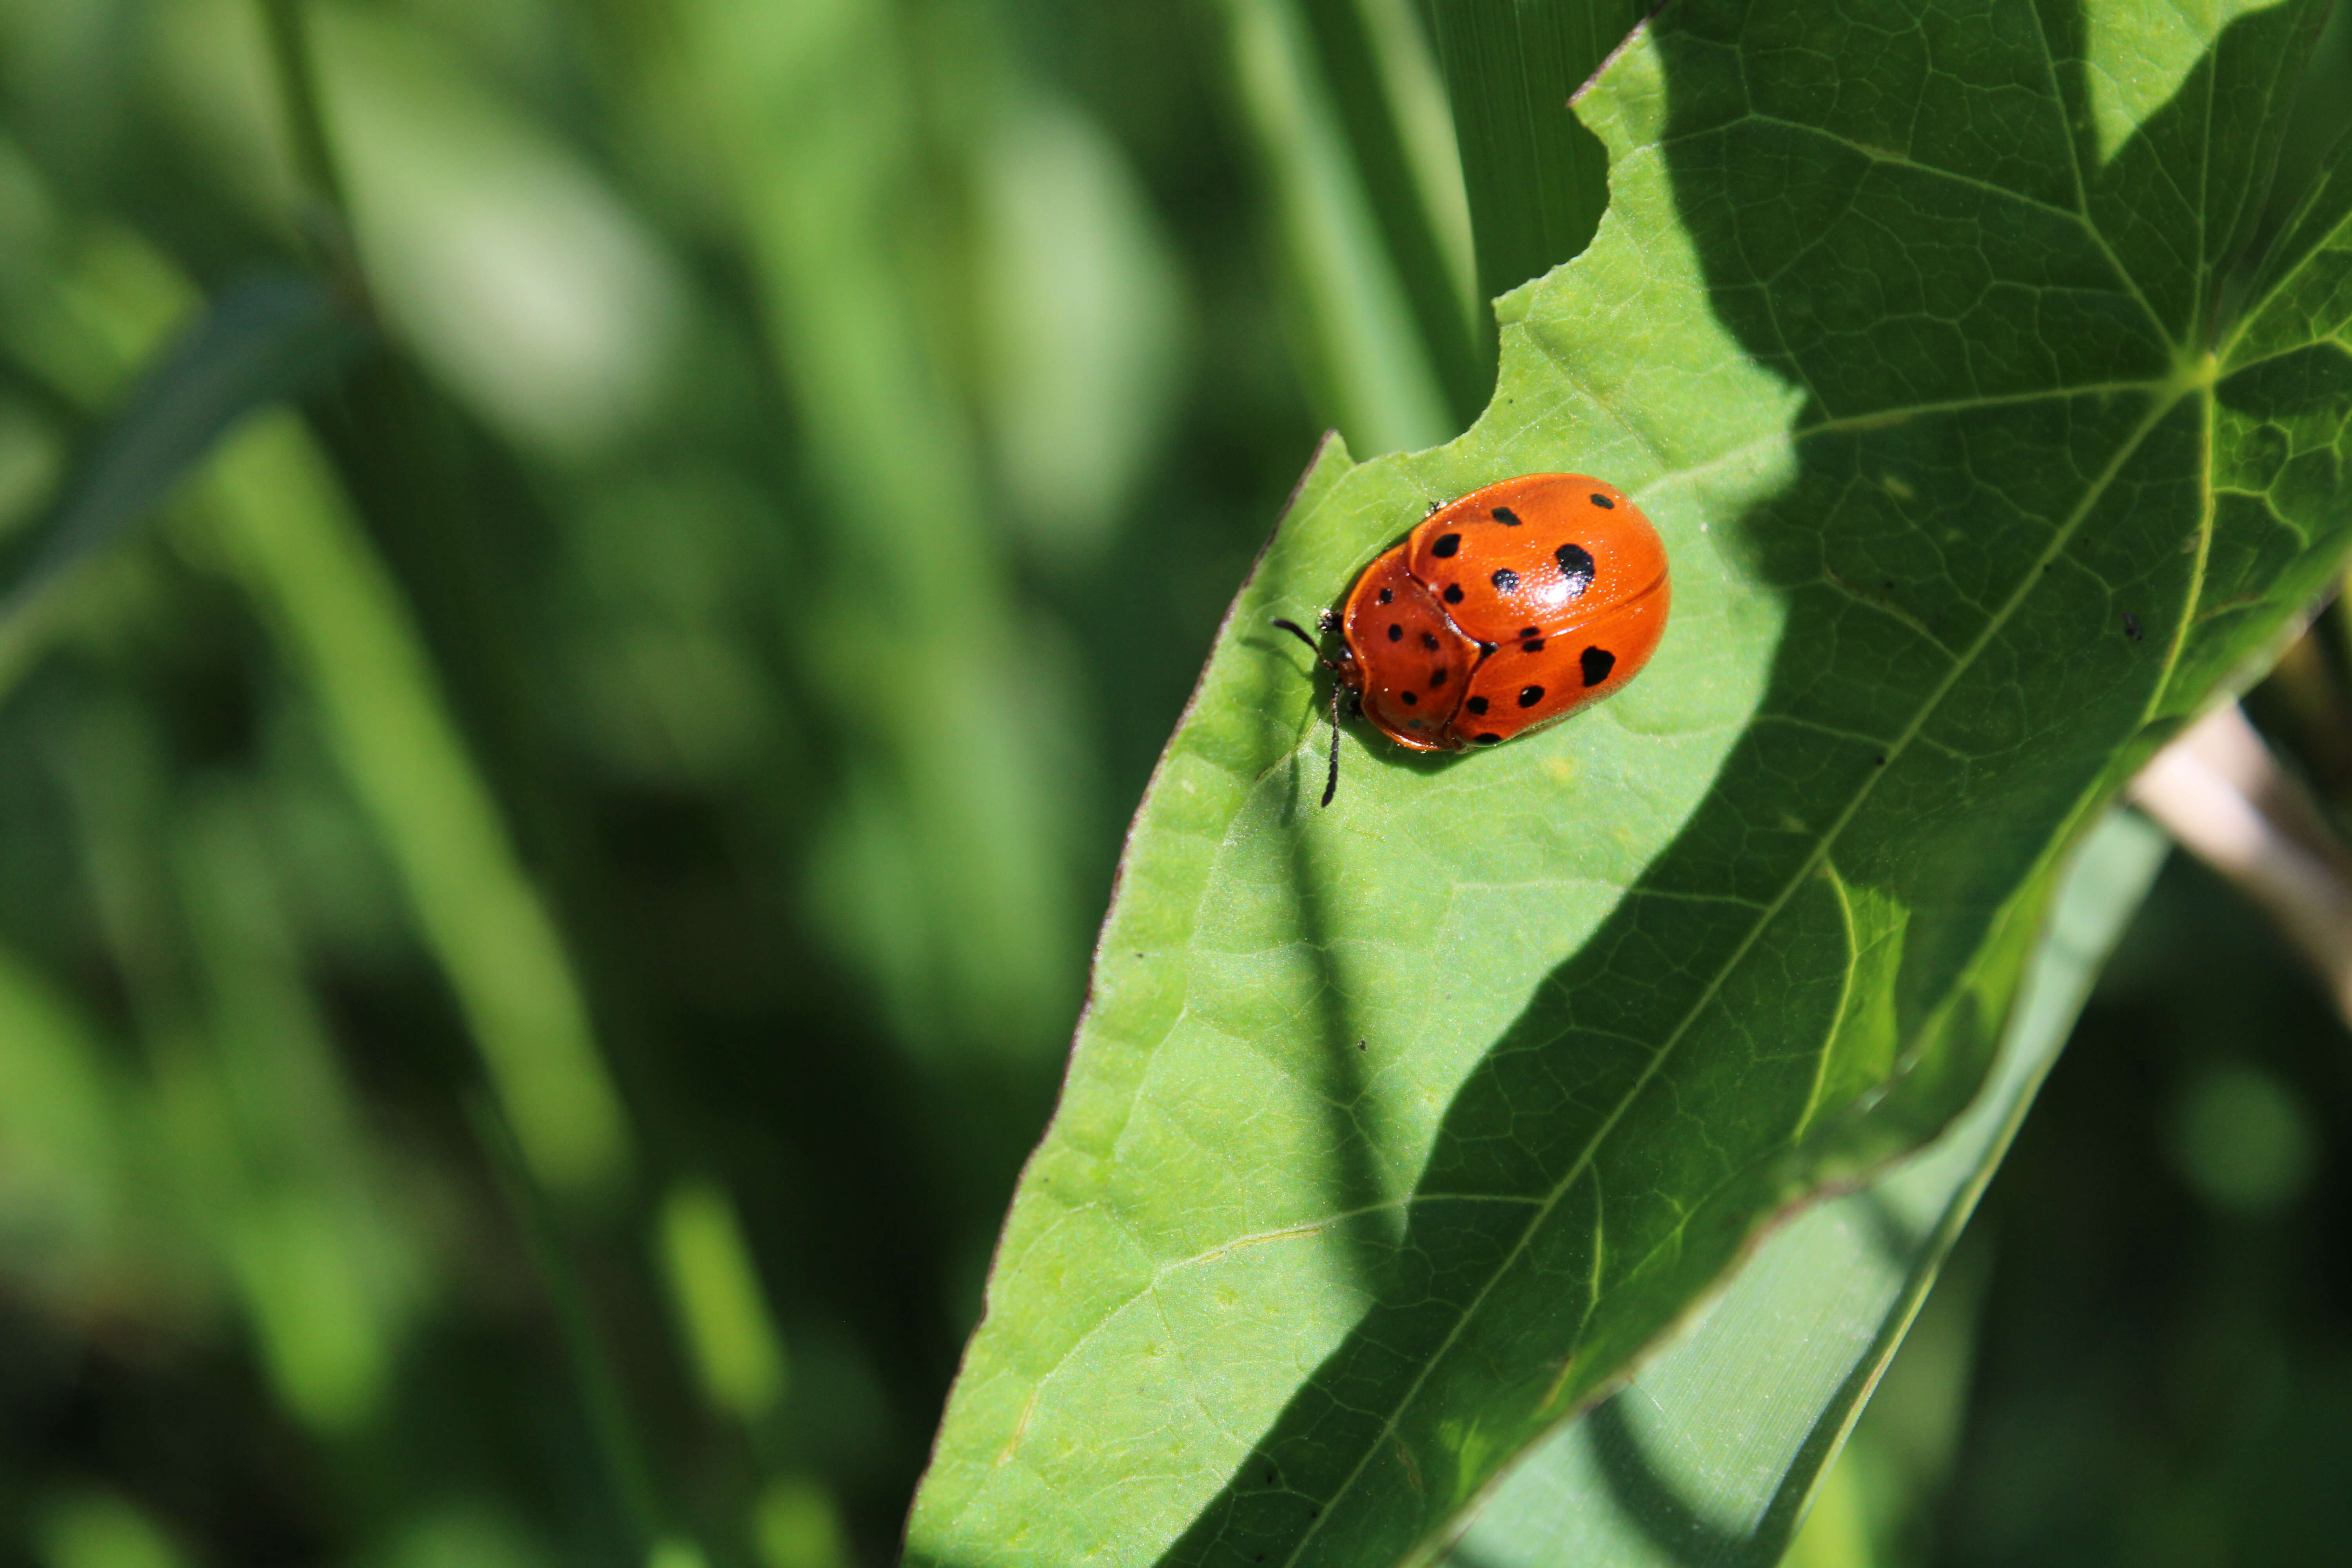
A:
1512,608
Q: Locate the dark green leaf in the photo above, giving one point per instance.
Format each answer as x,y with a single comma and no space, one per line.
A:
262,341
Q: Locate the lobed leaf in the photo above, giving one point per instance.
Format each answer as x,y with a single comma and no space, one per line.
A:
1395,1133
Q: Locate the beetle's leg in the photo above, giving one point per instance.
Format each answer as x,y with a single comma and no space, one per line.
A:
1331,783
1294,629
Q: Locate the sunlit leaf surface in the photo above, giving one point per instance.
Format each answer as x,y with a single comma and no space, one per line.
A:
1395,1132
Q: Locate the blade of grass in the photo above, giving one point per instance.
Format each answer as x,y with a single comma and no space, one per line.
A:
943,871
326,220
1375,380
1360,97
264,339
1535,178
289,534
599,1387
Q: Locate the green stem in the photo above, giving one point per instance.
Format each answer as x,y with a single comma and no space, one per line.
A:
592,1369
294,62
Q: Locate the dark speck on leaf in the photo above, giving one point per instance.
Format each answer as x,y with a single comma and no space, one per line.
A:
2131,625
1359,1045
1879,759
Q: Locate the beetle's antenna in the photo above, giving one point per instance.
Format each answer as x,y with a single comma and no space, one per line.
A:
1331,785
1294,629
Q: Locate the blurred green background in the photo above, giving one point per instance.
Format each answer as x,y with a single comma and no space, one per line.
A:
541,908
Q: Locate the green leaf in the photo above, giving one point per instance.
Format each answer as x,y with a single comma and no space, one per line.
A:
1711,1457
1395,1133
262,341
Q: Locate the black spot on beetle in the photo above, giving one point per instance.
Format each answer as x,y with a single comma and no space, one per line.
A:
1448,543
1415,724
1505,580
1506,517
1437,679
2131,626
1396,633
1576,565
1410,699
1533,645
1428,641
1485,739
1388,595
1476,705
1530,695
1453,593
1604,503
1596,663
